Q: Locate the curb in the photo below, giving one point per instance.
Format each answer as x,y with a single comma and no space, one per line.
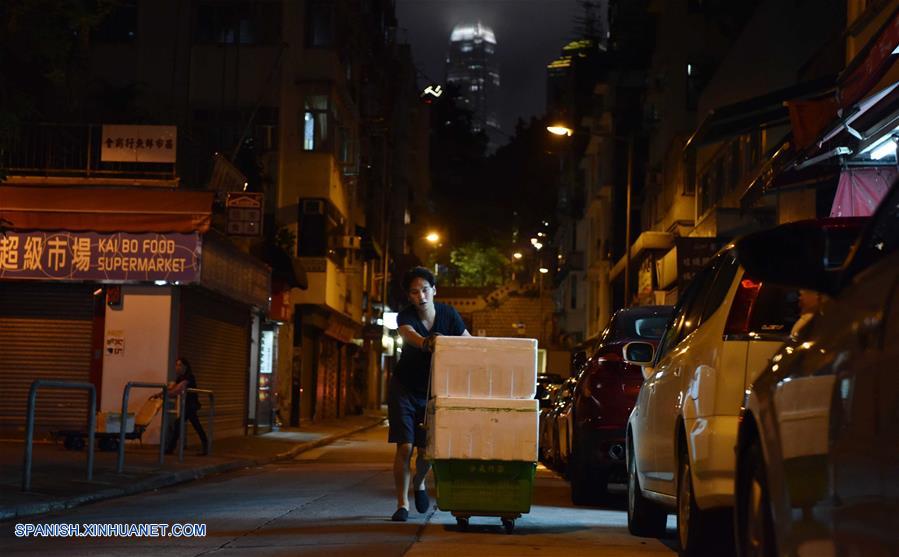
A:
173,478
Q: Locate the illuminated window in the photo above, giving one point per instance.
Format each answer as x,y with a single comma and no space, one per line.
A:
315,123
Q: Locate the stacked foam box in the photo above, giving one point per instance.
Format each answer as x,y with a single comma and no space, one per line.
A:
483,405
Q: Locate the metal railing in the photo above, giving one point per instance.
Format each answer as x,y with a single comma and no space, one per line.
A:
29,428
125,395
53,149
181,431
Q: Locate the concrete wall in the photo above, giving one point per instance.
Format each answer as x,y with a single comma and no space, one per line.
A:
145,323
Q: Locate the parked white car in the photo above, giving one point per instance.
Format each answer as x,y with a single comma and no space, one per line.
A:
682,432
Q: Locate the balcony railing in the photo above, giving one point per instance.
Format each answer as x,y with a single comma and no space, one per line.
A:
72,151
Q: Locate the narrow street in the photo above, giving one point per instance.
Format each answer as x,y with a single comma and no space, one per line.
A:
336,500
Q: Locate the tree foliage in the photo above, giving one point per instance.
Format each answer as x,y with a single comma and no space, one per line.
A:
477,264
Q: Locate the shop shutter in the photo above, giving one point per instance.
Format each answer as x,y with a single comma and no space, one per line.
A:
215,338
45,333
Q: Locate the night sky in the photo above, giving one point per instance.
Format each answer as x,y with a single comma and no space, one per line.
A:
529,35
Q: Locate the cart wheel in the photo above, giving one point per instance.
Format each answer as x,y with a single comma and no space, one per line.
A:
462,522
509,524
109,444
74,443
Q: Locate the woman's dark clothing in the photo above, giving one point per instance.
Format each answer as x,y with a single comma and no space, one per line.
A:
407,396
191,406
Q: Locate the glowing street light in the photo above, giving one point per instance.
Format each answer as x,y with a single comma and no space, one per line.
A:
517,255
560,129
432,237
544,270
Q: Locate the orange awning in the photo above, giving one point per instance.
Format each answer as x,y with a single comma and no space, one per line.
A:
105,209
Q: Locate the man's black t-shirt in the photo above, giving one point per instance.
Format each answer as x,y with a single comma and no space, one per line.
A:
414,366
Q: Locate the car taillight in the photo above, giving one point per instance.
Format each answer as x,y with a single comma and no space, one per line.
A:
741,309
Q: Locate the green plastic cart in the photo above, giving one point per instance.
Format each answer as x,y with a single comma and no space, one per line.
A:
498,488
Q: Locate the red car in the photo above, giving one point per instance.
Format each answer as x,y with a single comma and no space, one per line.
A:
604,397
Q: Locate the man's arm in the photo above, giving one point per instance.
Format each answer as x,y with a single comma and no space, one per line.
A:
411,337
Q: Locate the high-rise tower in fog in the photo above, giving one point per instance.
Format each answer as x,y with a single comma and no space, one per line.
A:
471,67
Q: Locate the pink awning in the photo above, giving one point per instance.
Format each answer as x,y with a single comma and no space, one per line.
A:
860,190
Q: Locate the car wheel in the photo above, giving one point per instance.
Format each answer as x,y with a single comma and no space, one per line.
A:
754,525
586,488
644,518
699,532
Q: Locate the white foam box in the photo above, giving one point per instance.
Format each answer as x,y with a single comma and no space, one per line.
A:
484,367
111,422
482,429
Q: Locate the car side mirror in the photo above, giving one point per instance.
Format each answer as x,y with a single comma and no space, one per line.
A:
578,359
793,254
638,353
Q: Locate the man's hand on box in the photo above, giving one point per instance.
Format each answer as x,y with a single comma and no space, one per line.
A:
428,344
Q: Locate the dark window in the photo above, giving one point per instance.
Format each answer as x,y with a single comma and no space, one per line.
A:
694,86
688,312
725,269
775,310
573,285
119,26
735,163
320,23
690,172
641,326
238,22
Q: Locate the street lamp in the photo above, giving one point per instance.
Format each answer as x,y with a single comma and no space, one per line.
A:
517,255
560,129
433,238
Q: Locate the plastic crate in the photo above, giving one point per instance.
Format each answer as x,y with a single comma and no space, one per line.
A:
484,487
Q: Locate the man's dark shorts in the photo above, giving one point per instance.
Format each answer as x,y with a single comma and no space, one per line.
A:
406,411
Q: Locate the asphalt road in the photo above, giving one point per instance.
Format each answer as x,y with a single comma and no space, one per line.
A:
332,501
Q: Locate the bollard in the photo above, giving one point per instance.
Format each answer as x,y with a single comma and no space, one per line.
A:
29,425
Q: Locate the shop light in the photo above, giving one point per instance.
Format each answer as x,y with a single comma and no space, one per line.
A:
160,282
517,255
390,320
538,246
544,270
884,149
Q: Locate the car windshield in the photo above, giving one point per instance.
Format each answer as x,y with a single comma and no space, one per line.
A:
640,326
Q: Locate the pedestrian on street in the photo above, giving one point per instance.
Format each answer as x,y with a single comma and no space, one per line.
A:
184,379
419,325
809,305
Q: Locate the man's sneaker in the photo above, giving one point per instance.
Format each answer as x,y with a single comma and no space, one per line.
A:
421,501
401,515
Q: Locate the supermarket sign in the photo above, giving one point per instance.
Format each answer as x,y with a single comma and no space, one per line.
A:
103,257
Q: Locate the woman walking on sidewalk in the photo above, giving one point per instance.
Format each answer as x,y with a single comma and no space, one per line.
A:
419,324
184,379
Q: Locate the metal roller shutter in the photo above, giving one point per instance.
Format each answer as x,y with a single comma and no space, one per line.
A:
215,338
45,333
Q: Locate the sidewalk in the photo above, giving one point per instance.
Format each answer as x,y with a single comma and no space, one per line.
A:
59,477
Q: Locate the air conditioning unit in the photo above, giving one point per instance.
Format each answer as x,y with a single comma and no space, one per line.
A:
351,242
